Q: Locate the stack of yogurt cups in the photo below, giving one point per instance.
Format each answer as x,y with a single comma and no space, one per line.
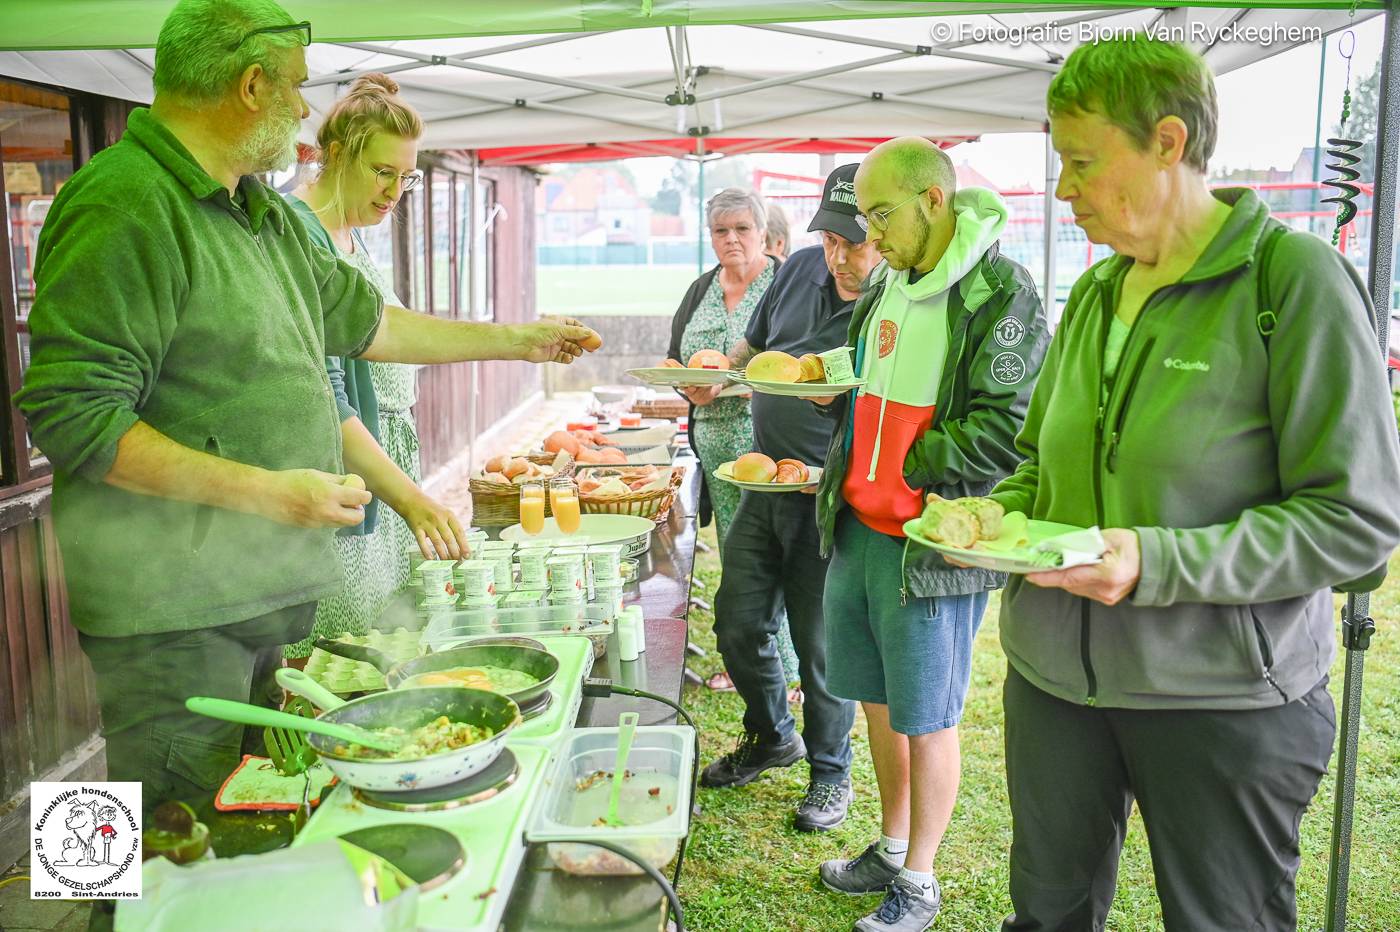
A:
476,587
566,577
437,590
527,603
605,577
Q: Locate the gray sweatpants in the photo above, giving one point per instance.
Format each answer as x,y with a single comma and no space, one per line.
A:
1222,794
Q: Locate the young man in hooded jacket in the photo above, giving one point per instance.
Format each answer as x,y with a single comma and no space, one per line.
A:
948,337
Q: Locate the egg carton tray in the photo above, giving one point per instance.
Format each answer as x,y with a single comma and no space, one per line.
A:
341,675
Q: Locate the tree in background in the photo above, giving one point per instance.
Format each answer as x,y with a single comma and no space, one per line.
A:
671,195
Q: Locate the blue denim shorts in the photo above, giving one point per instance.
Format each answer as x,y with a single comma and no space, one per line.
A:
914,658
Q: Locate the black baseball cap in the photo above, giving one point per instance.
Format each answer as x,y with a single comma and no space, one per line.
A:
838,211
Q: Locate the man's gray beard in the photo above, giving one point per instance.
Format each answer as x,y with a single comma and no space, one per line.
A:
272,145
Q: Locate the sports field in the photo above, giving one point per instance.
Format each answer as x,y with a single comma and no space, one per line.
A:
582,290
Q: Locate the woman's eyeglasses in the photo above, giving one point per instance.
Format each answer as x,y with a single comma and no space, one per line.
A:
880,219
387,177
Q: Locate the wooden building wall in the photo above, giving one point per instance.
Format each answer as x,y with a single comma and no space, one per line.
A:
49,719
444,392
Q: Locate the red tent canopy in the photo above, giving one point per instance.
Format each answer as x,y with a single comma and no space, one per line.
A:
675,148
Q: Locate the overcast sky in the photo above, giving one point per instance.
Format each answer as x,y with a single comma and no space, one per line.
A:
1267,114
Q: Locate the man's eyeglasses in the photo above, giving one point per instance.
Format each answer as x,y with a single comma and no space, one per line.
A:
387,177
303,29
880,219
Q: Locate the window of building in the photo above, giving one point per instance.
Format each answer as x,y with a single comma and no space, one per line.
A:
37,156
443,246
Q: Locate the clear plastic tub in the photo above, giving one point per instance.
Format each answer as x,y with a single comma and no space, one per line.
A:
457,624
655,803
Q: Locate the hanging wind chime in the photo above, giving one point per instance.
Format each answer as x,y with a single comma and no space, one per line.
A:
1342,151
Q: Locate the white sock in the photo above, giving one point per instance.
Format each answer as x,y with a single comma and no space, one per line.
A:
925,881
893,849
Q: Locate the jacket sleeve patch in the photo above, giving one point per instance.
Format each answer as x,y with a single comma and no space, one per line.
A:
1008,368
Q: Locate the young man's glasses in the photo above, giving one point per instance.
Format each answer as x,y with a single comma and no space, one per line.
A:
880,219
303,30
387,177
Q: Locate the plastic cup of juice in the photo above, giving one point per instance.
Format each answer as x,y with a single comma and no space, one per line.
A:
563,501
532,508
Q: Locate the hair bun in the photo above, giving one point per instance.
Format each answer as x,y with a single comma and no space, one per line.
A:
374,83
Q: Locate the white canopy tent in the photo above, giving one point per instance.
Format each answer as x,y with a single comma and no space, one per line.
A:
613,78
671,89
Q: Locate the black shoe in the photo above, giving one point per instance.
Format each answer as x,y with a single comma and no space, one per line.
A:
750,758
824,807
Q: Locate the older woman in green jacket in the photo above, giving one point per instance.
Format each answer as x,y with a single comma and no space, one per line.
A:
1215,400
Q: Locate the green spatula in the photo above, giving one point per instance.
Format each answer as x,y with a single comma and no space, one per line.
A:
289,750
626,729
246,714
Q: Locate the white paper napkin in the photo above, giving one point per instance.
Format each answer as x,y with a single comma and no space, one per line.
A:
1076,548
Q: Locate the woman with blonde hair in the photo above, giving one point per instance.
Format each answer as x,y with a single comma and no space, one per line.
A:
368,152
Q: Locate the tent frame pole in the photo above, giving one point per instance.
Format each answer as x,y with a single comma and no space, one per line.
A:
700,216
458,62
474,376
1357,625
339,76
501,104
934,50
803,76
1052,178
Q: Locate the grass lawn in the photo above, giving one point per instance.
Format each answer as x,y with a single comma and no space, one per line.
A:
574,291
747,869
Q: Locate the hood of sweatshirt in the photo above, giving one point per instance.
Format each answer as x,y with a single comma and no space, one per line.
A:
921,310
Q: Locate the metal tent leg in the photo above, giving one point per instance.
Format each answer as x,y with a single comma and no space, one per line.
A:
1356,625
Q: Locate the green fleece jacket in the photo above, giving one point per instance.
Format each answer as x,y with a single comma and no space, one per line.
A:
1256,475
160,299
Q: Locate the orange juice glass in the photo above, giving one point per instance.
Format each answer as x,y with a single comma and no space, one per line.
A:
563,501
532,508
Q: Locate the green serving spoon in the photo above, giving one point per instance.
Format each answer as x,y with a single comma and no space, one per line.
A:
245,714
626,729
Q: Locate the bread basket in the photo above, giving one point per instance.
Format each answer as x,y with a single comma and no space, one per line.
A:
496,504
652,503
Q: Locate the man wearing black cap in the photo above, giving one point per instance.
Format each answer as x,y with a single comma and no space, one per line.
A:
772,554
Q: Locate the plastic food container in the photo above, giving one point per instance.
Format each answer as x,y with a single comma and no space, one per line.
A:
655,799
457,625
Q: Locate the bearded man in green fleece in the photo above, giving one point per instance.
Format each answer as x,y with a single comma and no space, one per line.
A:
178,385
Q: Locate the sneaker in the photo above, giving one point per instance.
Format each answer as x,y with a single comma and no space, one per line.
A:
907,908
750,758
824,806
868,872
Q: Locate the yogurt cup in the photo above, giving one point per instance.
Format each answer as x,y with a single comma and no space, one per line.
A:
836,363
475,579
565,575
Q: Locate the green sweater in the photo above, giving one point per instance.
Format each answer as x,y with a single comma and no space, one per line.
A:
1255,475
159,299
